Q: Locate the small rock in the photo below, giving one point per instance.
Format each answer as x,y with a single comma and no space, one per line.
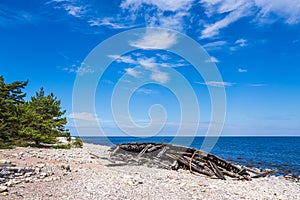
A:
289,176
4,193
16,181
5,162
28,174
37,170
41,165
28,180
68,168
3,189
9,184
43,175
49,171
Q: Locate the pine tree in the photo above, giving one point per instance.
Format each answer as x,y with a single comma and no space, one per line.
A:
11,97
43,119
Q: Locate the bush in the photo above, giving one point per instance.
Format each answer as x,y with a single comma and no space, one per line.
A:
78,143
5,146
62,146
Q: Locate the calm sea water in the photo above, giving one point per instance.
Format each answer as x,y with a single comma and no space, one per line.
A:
282,153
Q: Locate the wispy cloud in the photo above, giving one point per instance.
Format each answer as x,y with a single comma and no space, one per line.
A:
218,84
145,63
75,11
167,5
109,22
235,10
81,70
177,11
84,116
214,45
145,91
241,42
123,59
154,39
257,84
212,59
133,72
262,11
159,76
242,70
10,17
287,10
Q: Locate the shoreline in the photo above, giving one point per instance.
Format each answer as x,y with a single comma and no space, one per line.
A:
282,171
90,178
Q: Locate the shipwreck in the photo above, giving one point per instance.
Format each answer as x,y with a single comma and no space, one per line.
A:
176,157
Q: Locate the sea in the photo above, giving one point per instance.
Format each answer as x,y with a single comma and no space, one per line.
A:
281,153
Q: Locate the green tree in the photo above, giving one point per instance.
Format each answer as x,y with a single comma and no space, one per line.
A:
42,119
11,97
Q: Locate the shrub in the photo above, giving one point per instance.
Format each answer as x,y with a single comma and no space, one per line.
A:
62,146
78,143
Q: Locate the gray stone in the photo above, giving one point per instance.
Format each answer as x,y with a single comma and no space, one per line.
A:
37,170
4,173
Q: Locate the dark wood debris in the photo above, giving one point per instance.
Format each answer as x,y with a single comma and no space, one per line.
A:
176,157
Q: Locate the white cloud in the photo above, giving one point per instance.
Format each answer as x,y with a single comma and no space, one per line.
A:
154,12
235,14
164,5
148,63
123,59
214,45
154,39
263,11
81,70
132,72
145,91
218,84
288,10
76,11
84,116
212,60
159,76
241,42
242,70
109,22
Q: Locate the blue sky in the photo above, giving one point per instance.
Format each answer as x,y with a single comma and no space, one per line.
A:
255,45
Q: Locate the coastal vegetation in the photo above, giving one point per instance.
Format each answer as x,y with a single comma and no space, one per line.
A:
35,122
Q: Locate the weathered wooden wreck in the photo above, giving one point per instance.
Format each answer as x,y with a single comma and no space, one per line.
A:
176,157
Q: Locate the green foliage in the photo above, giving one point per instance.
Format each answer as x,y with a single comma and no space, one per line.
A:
42,120
78,143
62,146
11,97
5,146
39,120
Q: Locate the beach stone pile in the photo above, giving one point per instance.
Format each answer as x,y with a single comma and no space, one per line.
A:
11,175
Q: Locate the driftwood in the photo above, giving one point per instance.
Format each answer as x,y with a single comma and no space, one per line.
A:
179,157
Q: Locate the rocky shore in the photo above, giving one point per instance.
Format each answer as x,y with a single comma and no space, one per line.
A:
30,173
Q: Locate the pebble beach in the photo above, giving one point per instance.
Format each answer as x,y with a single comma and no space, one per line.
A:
82,173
